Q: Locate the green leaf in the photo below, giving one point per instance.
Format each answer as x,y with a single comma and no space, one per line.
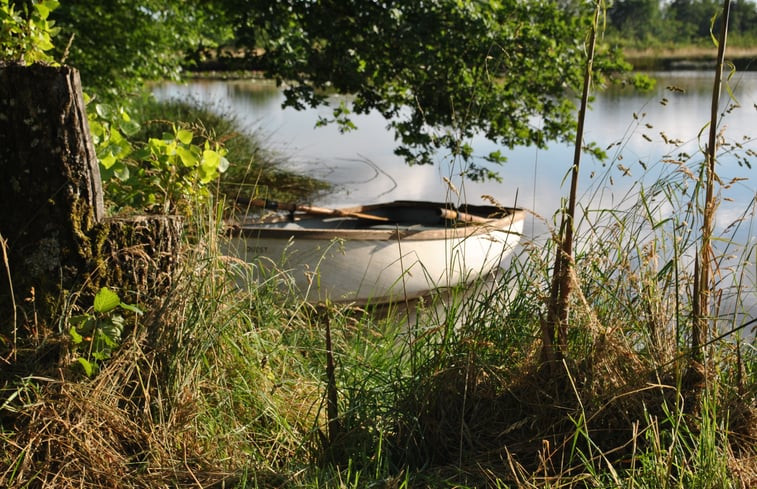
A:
105,111
121,171
188,159
106,300
132,308
141,154
89,368
112,330
129,127
82,322
45,7
223,165
184,136
157,146
76,338
207,175
211,160
44,43
108,161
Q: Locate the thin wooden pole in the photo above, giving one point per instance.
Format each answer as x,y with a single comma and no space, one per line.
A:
702,280
562,283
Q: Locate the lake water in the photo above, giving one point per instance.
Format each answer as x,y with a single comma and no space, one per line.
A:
641,130
362,164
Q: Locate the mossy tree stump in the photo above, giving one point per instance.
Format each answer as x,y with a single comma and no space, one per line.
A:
56,239
140,256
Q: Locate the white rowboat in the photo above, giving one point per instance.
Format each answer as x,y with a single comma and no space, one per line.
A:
374,254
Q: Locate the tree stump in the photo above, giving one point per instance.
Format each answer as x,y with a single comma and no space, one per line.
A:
50,188
140,256
55,238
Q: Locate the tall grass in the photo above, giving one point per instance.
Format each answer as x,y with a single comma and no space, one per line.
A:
227,385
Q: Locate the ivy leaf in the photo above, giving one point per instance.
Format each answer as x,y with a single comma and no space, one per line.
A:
106,300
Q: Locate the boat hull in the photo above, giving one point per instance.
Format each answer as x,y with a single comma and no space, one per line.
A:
345,260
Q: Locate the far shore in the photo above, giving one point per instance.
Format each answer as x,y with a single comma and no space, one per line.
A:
694,58
236,64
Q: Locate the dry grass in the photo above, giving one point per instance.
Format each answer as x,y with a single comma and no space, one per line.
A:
480,424
116,430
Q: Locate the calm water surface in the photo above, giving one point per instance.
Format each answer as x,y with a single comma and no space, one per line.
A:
640,130
362,164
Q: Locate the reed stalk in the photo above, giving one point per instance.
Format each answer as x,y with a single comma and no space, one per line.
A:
702,285
332,406
555,345
4,249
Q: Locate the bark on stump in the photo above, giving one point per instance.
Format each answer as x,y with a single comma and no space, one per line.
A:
51,207
140,256
51,196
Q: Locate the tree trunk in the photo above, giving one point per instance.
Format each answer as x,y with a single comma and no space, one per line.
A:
50,190
140,256
54,237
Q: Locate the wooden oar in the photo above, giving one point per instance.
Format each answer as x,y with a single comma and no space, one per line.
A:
454,215
308,209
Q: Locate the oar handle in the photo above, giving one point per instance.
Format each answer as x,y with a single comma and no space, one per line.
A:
323,211
307,209
454,215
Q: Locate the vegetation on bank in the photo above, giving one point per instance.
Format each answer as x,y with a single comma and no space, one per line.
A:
677,57
253,171
219,385
228,386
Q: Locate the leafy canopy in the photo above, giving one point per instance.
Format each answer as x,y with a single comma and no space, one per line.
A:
25,32
118,44
440,71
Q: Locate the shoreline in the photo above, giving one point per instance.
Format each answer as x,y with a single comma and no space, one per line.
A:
689,58
648,59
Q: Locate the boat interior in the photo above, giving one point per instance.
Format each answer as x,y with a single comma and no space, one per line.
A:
382,216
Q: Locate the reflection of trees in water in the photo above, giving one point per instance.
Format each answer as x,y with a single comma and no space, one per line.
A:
261,93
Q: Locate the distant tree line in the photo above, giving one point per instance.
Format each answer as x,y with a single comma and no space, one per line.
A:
646,22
